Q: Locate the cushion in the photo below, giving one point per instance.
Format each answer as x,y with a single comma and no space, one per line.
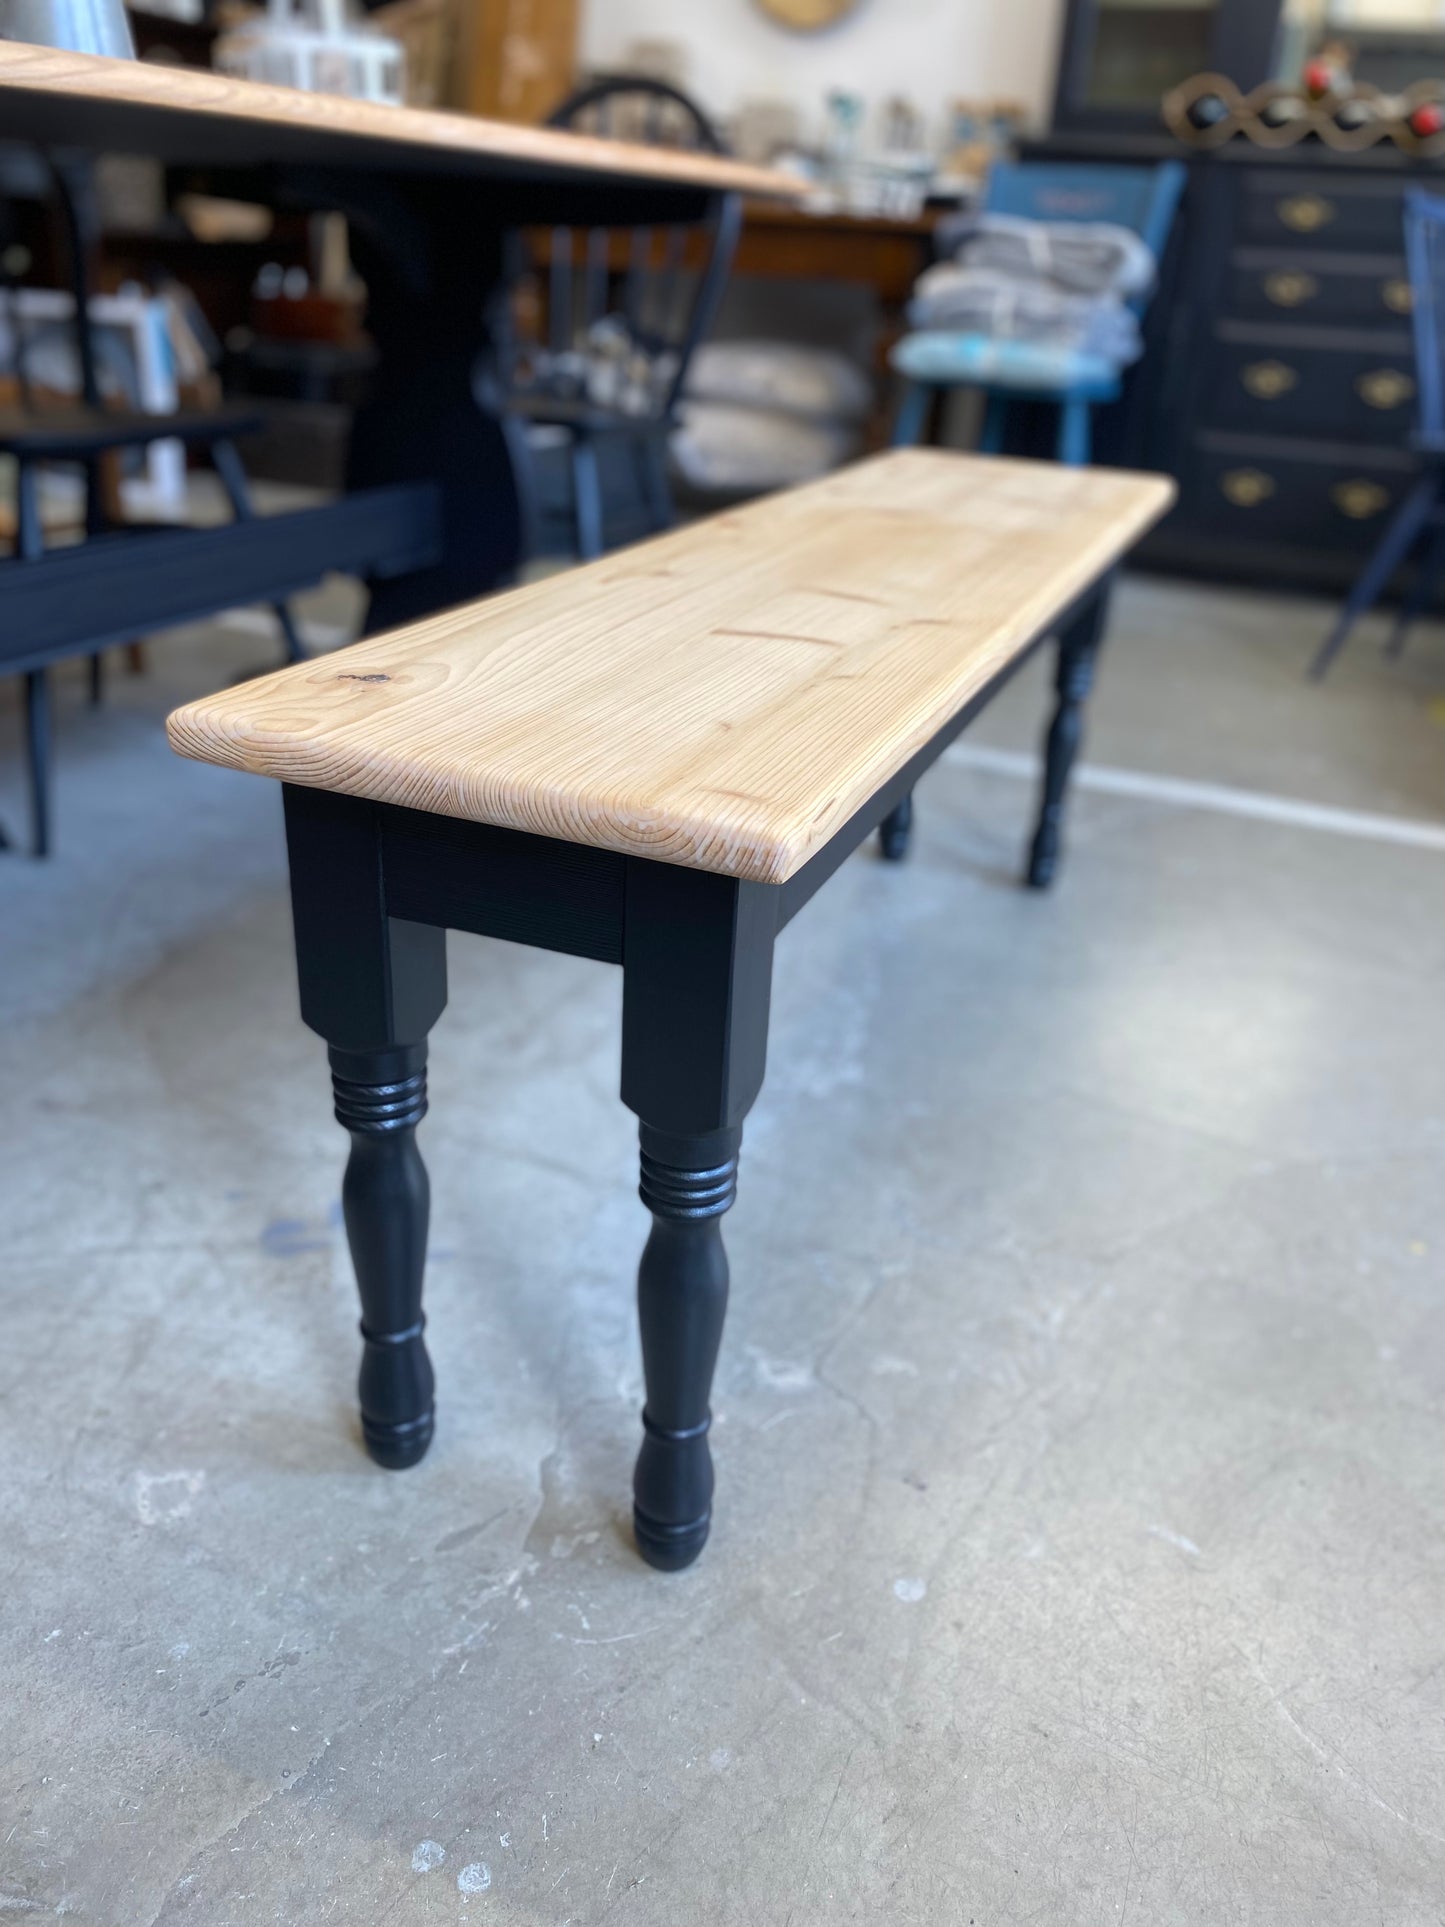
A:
947,359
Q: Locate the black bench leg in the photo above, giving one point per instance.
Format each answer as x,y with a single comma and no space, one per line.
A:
682,1296
694,1039
1078,651
372,986
386,1202
895,832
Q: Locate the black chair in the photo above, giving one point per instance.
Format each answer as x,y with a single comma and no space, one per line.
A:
625,309
1419,522
83,434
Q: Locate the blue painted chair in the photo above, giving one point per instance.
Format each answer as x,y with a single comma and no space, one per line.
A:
1423,510
1142,199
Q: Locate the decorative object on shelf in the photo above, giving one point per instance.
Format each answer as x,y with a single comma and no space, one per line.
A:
77,26
1346,114
316,46
978,133
807,16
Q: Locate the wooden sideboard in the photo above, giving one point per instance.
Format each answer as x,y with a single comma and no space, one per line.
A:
1278,383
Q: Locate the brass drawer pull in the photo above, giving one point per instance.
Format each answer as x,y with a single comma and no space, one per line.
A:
1385,388
1360,499
1247,487
1398,296
1290,290
1268,380
1306,213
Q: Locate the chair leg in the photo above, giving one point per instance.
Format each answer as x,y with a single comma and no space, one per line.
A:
1394,545
656,490
29,534
1076,437
995,424
586,498
37,758
291,642
96,679
911,423
1421,596
896,830
135,658
1078,651
232,471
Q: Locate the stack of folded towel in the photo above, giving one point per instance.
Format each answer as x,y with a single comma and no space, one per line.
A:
1057,286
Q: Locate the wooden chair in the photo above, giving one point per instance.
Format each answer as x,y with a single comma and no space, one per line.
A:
1419,522
1142,199
653,762
129,580
624,309
83,435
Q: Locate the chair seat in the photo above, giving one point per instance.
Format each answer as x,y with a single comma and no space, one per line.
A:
587,417
72,433
725,697
946,359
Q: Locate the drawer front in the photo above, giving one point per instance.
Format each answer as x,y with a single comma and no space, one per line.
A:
1321,210
1363,394
1335,500
1311,287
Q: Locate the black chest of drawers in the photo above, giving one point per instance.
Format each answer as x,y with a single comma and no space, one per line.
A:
1278,383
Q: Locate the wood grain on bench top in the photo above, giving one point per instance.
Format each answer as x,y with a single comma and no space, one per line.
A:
725,696
137,90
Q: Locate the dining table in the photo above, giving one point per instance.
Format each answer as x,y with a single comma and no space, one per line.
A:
430,199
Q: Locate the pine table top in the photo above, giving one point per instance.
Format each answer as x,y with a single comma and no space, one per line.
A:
137,106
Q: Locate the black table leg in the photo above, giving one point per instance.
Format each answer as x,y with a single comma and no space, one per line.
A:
435,277
1078,651
372,985
697,979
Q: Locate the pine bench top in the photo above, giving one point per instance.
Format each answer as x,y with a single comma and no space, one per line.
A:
726,696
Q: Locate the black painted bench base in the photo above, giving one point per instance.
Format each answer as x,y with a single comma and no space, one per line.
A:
374,891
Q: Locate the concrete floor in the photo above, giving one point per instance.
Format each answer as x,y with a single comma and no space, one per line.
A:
1080,1551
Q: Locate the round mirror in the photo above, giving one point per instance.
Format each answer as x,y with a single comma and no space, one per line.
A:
807,16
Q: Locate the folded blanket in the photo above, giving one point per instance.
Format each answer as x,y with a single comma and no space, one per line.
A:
984,301
1061,286
1086,257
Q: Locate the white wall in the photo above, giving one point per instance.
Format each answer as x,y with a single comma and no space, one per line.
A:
930,50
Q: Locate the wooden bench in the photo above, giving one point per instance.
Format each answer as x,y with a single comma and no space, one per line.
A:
653,761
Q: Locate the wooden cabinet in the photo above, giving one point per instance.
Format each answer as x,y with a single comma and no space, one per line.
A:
519,57
1278,381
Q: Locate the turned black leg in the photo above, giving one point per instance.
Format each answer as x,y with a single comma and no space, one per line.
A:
696,982
682,1294
896,830
386,1202
1078,652
372,985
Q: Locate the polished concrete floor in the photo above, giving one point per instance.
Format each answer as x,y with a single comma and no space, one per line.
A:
1080,1550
